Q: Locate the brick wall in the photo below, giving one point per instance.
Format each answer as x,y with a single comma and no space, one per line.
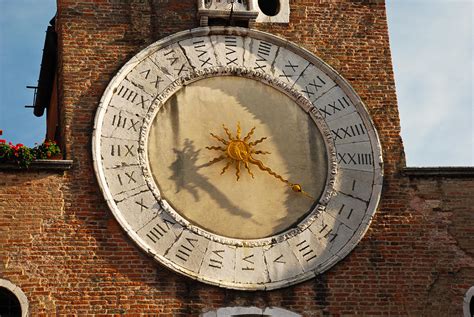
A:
63,247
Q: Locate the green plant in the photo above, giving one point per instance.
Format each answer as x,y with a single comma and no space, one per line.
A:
46,150
23,155
18,153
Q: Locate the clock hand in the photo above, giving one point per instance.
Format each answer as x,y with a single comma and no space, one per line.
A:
237,151
295,187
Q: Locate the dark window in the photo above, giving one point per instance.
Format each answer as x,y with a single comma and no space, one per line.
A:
9,304
269,7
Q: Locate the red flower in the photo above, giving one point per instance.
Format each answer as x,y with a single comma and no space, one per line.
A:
19,145
3,141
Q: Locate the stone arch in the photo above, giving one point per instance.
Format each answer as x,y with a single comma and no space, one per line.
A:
468,303
250,312
15,290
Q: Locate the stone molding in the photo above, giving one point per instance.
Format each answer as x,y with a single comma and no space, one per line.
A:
52,165
439,171
250,311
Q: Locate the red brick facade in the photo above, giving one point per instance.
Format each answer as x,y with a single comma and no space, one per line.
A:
62,246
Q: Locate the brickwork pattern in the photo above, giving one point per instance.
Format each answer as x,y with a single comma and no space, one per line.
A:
63,247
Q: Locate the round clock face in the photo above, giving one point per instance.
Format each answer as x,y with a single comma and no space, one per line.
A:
237,158
213,181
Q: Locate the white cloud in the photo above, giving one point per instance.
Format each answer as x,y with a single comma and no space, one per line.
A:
432,46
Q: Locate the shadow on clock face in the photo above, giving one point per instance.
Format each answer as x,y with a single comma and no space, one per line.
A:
186,159
225,151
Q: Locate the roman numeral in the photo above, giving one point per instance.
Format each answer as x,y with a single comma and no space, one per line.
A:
291,69
264,48
133,125
355,158
201,52
250,264
199,44
181,69
263,53
116,150
279,259
159,230
129,177
216,259
328,233
157,81
349,131
205,62
231,61
230,42
142,101
185,249
349,214
141,204
199,47
120,122
336,106
129,149
258,67
230,50
313,87
306,251
131,96
127,94
287,76
171,56
146,72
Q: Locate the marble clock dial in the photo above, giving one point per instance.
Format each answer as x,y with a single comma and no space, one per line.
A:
237,158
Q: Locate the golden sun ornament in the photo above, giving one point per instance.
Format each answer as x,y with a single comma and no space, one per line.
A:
239,151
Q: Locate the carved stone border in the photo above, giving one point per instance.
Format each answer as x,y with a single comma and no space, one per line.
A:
466,306
271,81
19,295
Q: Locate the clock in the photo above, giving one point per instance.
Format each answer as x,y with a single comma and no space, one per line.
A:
237,158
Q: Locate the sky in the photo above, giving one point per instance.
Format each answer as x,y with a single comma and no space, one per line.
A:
432,51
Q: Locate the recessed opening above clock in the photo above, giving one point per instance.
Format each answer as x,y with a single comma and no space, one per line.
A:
269,7
232,183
